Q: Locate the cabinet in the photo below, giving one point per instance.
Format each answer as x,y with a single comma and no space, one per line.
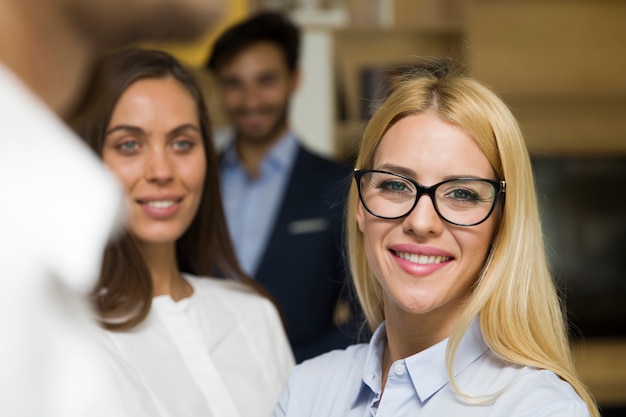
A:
368,51
332,99
368,35
559,65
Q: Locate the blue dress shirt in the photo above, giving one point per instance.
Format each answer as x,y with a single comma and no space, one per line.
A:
251,204
347,383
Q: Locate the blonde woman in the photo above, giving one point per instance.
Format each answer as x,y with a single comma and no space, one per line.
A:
447,255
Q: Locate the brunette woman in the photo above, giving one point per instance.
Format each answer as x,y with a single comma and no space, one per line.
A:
181,343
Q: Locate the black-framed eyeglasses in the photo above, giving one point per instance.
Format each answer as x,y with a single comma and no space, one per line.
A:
459,201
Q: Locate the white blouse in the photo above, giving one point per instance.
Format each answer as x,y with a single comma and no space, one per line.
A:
221,352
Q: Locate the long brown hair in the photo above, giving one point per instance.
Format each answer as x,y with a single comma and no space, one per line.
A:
123,295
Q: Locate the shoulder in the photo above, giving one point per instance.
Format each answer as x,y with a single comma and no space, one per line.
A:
544,384
219,296
496,387
222,290
250,321
325,385
539,392
320,175
332,369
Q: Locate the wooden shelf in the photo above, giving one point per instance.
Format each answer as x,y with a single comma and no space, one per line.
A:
558,64
571,124
360,49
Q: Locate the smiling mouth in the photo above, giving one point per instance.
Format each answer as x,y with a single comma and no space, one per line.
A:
422,259
160,204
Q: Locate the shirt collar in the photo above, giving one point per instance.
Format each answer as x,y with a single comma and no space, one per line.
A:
431,362
372,370
281,156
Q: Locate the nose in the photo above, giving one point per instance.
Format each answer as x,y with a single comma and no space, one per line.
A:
423,219
251,98
159,168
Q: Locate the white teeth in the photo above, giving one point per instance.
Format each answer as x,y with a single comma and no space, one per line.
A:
422,259
161,204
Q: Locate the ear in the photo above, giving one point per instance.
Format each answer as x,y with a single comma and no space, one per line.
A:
360,216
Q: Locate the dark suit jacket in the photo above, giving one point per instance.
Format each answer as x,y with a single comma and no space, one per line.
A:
303,264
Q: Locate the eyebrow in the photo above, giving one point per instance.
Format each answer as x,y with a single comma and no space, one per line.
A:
127,128
270,74
139,131
398,170
181,129
407,172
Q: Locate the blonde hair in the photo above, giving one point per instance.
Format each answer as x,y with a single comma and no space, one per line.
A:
515,298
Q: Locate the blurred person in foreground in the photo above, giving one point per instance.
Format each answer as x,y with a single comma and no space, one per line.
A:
448,259
283,203
59,205
181,343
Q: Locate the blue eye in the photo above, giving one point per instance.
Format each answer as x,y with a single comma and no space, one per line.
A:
464,195
183,145
128,146
396,186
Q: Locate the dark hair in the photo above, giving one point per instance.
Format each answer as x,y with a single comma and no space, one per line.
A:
266,26
123,295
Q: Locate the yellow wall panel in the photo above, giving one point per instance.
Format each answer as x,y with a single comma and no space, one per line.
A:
196,53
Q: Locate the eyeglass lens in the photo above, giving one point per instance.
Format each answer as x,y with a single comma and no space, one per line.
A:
460,201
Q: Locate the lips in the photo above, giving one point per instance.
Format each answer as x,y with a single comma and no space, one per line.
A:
160,207
422,259
160,204
419,260
254,120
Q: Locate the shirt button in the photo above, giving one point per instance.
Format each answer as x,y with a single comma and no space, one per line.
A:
399,369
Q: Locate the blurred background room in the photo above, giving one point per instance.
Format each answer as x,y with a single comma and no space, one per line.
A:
558,64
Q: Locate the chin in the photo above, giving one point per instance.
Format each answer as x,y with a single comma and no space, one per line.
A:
417,305
158,238
419,310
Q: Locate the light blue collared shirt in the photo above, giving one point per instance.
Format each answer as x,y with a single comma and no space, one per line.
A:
251,204
347,383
